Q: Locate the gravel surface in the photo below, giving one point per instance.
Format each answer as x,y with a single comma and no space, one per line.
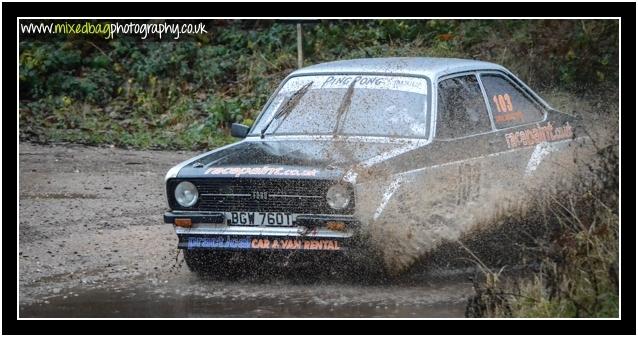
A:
92,243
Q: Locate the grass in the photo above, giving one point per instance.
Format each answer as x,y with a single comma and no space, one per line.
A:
572,270
577,279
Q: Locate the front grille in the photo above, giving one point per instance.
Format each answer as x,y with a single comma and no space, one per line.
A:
284,195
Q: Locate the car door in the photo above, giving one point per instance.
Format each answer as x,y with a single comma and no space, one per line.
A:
514,111
443,178
460,150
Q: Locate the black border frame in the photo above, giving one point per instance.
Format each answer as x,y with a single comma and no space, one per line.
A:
627,12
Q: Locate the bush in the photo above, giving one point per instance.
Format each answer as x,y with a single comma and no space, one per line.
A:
128,85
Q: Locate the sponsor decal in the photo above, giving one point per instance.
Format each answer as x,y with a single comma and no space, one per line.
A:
468,183
400,83
261,171
538,135
345,80
505,109
296,244
254,243
218,242
512,116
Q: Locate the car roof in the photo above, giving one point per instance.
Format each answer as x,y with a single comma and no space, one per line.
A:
432,67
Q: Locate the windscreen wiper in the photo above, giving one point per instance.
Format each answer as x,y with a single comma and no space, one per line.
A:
343,107
287,107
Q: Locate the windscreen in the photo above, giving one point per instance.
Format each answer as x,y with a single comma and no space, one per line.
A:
351,105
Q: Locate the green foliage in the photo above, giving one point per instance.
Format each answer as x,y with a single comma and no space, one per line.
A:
166,94
577,273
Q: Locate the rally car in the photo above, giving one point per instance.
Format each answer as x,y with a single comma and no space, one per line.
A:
343,144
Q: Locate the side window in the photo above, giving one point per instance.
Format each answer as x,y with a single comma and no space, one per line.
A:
461,108
510,106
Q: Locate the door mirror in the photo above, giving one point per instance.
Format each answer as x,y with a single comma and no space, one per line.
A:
239,130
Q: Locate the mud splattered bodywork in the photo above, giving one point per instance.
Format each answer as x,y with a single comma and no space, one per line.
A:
393,153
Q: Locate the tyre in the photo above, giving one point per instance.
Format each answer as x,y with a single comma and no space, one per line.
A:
360,268
207,263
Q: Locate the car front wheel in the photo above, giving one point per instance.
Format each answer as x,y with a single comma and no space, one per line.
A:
207,263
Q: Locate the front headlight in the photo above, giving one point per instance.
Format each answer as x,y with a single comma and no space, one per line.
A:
186,194
338,197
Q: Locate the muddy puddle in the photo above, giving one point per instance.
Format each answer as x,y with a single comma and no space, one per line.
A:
188,295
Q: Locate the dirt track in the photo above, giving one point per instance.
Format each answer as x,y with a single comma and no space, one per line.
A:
92,243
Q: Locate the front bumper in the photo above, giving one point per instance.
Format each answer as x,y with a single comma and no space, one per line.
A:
210,231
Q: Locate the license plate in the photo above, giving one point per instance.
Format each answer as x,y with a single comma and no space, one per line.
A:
259,219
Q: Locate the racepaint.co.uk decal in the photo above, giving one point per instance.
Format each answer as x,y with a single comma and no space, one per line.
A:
260,171
538,135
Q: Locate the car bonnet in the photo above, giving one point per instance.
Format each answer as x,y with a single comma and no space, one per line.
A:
326,158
